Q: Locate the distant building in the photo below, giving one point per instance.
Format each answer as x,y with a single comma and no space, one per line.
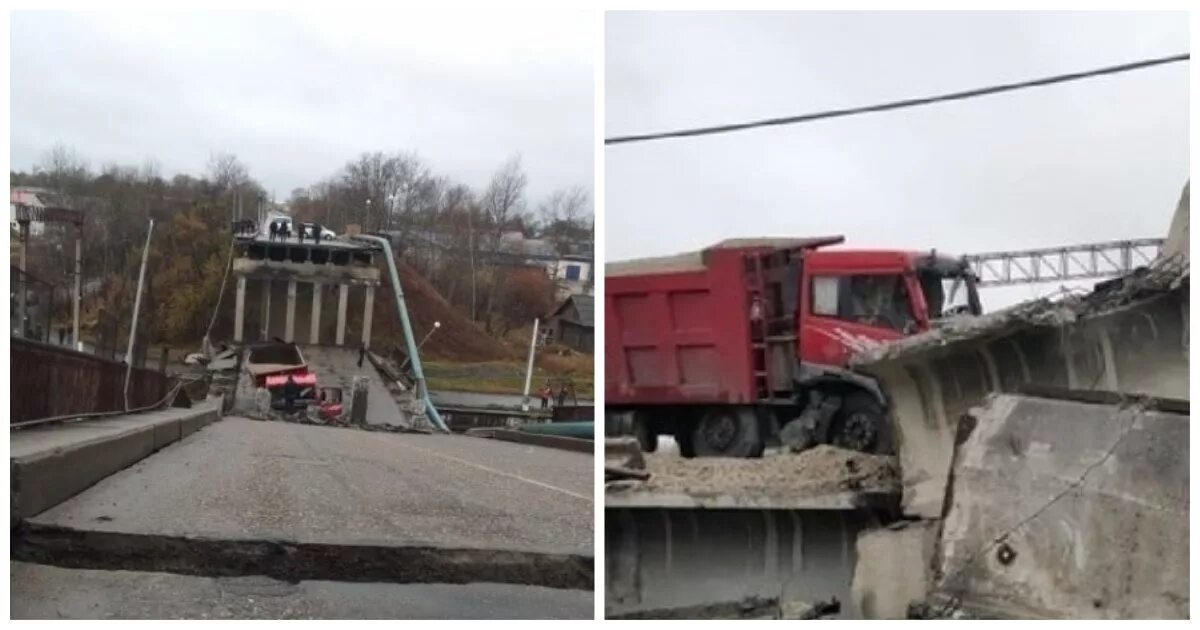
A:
29,196
572,271
572,324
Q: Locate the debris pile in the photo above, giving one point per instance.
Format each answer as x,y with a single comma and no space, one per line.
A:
821,470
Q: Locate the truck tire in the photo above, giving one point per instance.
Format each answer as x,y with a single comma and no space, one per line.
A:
728,432
862,425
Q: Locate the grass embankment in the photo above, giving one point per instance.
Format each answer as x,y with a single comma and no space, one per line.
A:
508,377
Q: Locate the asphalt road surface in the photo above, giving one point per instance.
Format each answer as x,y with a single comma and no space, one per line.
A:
42,592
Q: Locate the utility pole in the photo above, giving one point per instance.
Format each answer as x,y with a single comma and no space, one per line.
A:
529,368
22,311
78,297
137,304
471,247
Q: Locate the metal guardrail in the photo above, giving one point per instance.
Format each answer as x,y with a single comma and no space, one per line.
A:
49,381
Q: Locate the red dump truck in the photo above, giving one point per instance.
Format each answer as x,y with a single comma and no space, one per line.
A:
747,342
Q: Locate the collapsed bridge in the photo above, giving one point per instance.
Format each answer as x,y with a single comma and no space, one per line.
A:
1041,471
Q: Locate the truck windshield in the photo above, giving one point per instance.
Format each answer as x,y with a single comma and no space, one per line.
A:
949,291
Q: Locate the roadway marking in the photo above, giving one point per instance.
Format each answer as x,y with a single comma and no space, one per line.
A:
499,472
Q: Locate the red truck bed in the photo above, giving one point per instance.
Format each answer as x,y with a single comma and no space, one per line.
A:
677,329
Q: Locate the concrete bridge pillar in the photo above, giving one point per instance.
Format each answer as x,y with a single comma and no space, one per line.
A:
314,332
368,309
343,299
289,331
239,313
266,309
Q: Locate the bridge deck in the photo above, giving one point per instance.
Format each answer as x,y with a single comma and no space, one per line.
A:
247,479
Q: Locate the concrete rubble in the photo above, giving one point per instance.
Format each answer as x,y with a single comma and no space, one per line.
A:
822,470
1044,457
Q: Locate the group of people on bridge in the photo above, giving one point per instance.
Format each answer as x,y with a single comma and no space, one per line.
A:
546,393
280,230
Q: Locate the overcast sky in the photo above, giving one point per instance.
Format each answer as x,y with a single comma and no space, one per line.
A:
296,97
1090,161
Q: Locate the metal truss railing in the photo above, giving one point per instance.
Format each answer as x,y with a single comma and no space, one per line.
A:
1054,264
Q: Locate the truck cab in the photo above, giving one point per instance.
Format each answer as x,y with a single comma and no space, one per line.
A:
854,299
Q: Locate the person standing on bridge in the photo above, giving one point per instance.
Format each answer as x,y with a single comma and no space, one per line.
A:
544,394
274,227
300,233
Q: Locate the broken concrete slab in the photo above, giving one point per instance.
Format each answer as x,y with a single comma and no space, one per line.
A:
52,463
1069,509
895,568
932,380
670,559
44,592
338,367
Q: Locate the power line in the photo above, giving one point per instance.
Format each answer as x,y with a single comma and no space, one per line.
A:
912,102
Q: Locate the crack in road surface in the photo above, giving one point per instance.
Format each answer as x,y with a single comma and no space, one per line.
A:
295,561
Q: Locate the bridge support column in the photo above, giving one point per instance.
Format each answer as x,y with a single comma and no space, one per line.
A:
368,309
239,310
343,299
314,332
289,331
266,309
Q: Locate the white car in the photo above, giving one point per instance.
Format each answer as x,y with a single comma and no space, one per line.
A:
310,231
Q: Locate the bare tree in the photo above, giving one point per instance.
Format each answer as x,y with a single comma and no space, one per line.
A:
64,170
568,205
504,197
226,172
566,217
229,177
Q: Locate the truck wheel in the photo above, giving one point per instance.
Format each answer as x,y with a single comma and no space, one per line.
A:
646,438
862,425
728,432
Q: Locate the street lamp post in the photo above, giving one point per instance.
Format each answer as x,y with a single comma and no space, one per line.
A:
391,209
436,325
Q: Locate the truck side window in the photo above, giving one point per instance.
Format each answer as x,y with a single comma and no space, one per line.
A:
825,296
879,300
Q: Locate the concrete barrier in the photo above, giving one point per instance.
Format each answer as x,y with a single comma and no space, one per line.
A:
534,439
52,464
